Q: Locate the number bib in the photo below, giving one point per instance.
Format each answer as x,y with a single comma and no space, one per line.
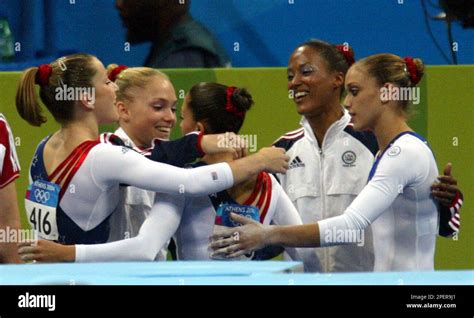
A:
41,203
224,210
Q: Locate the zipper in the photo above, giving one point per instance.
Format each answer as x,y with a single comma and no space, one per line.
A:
323,203
323,192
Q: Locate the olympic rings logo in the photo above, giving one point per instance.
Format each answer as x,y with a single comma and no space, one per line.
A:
41,196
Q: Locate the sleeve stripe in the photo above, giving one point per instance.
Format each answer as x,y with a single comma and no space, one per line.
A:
2,157
285,137
15,176
453,227
456,222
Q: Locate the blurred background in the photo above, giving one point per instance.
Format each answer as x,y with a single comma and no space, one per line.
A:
254,33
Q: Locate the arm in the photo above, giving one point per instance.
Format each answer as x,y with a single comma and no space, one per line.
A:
9,171
286,214
9,219
254,236
155,232
450,197
195,145
136,170
374,199
283,212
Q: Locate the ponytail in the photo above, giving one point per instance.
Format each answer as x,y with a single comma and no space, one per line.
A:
27,103
75,70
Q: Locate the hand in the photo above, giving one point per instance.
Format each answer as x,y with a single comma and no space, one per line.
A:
445,189
237,241
228,142
46,251
274,159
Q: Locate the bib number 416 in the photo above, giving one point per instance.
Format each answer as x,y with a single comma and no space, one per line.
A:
42,218
39,220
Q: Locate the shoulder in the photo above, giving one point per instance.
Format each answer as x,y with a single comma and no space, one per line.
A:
409,146
107,152
194,40
408,156
289,139
415,151
108,147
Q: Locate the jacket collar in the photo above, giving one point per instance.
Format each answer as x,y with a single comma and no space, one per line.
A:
331,134
127,141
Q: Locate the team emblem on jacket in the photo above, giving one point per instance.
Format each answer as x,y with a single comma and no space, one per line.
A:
394,151
349,158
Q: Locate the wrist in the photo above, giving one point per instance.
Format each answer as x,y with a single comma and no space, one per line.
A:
270,235
258,162
69,254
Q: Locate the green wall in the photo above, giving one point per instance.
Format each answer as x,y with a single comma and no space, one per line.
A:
451,135
444,116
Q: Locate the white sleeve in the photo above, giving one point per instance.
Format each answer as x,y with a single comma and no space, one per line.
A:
115,164
393,174
286,214
154,233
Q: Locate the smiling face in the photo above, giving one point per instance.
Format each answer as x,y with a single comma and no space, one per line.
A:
363,98
311,83
151,111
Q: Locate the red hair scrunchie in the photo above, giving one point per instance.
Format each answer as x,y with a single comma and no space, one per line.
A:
229,106
412,70
347,52
116,71
43,74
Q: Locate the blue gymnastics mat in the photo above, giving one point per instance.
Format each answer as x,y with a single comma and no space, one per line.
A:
212,273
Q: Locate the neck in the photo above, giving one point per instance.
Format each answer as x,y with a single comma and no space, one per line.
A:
137,142
388,127
75,133
321,122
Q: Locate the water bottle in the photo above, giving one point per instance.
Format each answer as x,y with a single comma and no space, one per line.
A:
7,52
